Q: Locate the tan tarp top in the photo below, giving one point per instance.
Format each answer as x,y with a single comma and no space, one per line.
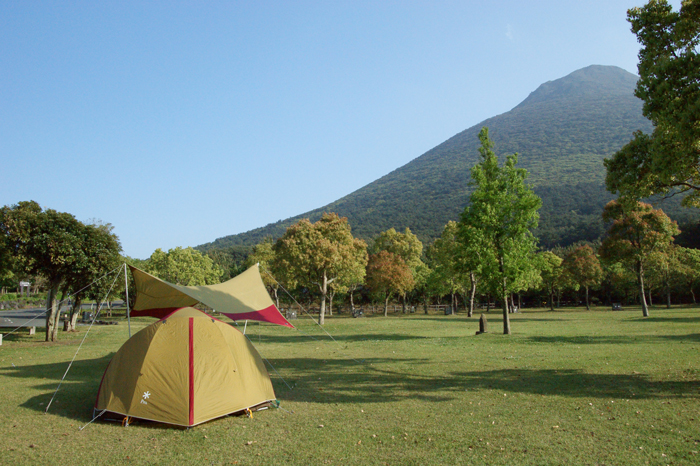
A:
185,369
244,297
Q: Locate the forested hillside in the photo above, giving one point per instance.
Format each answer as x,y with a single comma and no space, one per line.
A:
562,131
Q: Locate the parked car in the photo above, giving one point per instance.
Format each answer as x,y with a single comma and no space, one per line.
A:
617,307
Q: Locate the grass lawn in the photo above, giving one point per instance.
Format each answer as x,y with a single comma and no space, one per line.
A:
567,387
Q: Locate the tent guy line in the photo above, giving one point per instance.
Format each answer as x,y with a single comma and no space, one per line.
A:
99,309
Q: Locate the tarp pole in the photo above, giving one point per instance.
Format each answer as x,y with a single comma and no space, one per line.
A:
126,287
245,327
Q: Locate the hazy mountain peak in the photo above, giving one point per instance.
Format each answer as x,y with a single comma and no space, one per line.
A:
592,81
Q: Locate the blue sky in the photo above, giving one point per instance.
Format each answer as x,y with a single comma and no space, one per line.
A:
181,122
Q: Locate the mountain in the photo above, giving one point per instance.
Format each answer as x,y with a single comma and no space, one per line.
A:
562,132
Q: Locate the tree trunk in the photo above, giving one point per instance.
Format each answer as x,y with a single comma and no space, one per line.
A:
551,298
352,303
692,293
51,311
403,304
504,294
668,293
588,307
277,298
386,304
472,279
331,295
425,304
74,313
640,277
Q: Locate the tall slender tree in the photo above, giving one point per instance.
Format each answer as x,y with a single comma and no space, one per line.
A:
501,213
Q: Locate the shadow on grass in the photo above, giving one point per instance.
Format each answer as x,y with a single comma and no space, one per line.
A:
78,391
296,337
612,339
674,320
342,381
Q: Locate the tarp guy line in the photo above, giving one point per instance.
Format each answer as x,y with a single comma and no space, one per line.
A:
302,308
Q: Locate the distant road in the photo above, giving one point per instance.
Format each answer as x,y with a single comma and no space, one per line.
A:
36,317
23,318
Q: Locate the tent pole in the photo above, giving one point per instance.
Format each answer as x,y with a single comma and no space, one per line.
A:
126,287
245,326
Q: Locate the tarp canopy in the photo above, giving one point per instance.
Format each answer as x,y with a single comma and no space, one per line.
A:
244,297
185,369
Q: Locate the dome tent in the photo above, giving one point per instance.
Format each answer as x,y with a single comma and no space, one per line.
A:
184,369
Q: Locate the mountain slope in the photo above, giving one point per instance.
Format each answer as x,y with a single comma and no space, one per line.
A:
562,131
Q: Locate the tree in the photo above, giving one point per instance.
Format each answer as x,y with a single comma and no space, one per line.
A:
87,278
583,267
471,256
637,231
501,212
690,270
318,254
550,271
264,254
444,256
388,274
405,245
668,160
230,259
184,266
46,243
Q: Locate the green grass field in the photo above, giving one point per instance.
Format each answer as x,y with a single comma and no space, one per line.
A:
567,387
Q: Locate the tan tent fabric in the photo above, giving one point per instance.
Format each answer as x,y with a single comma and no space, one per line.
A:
242,297
185,369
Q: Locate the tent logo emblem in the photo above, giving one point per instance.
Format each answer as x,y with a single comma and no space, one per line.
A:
146,395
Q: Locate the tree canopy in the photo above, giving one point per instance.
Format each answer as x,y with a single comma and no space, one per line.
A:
668,160
317,254
184,266
637,230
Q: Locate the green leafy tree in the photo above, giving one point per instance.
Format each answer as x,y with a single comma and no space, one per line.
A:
637,231
232,260
444,257
471,258
388,275
184,266
264,254
669,85
317,254
690,269
583,268
46,243
501,212
89,277
550,271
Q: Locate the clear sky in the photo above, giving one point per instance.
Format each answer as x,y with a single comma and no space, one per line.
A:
181,122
